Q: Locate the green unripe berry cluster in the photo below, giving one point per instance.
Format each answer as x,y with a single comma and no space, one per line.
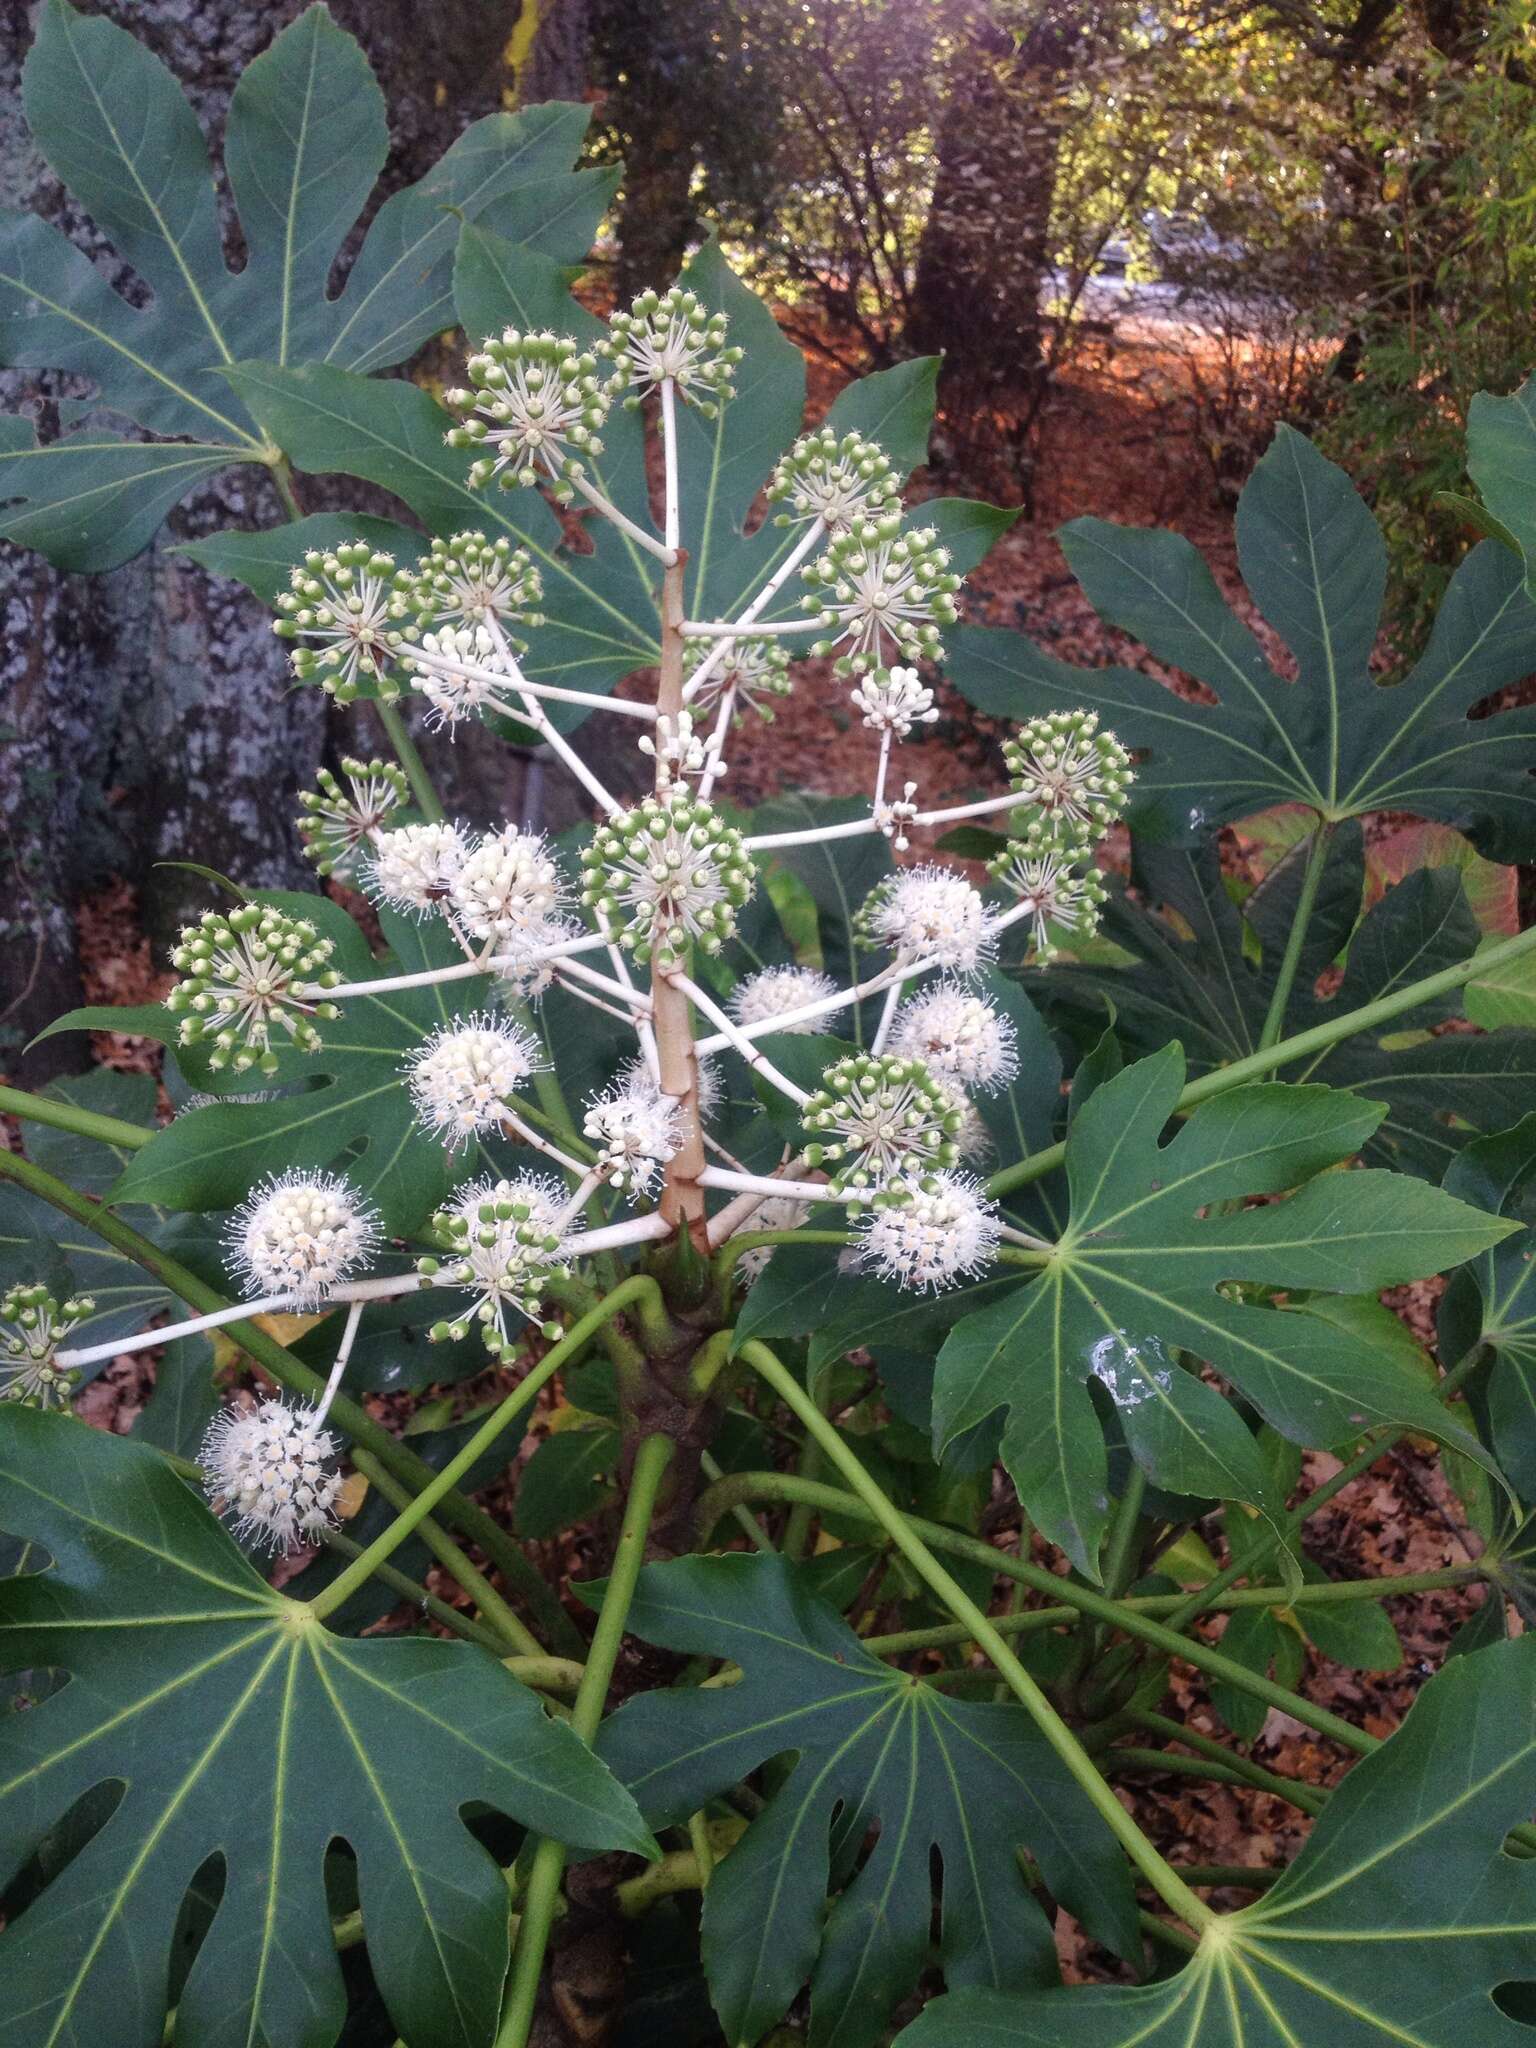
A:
666,875
879,1120
835,479
339,600
1063,762
535,403
245,972
671,334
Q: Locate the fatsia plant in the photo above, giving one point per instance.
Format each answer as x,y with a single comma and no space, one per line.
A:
731,1155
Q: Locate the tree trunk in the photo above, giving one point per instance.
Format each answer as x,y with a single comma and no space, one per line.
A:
148,714
985,244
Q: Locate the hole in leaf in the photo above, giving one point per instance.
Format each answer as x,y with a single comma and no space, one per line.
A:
72,1833
1517,2001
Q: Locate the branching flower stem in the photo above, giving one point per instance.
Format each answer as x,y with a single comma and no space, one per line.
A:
811,539
737,1038
373,1444
496,678
548,1866
559,1354
1159,1874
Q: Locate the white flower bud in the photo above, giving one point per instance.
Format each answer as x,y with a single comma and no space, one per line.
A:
413,867
465,1075
929,1236
959,1037
776,992
894,700
268,1467
301,1234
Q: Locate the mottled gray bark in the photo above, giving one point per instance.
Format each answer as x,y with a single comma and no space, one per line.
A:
146,716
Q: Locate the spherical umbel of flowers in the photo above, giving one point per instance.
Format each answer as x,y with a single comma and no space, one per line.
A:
667,875
893,700
345,814
775,993
672,335
469,580
414,867
459,670
880,591
636,1130
931,1235
33,1325
929,913
303,1234
878,1119
464,1077
245,974
958,1036
1063,763
505,1247
534,405
508,886
836,480
337,610
269,1467
1050,871
758,671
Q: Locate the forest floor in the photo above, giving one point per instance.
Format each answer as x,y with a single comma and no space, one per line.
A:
1106,449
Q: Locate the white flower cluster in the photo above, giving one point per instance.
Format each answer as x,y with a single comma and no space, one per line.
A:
302,1234
930,913
464,1077
269,1467
893,700
636,1130
930,1236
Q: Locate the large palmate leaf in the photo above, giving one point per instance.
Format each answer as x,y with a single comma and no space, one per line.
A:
1140,1273
1501,459
237,1726
1195,980
1492,1300
305,140
351,1095
1396,1924
973,1783
1335,740
602,605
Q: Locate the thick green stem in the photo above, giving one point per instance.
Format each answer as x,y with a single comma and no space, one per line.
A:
903,1533
1306,902
440,1611
1162,1605
395,731
512,1634
1268,1536
1310,1798
651,1462
64,1116
1123,1614
396,1458
1256,1064
346,1584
